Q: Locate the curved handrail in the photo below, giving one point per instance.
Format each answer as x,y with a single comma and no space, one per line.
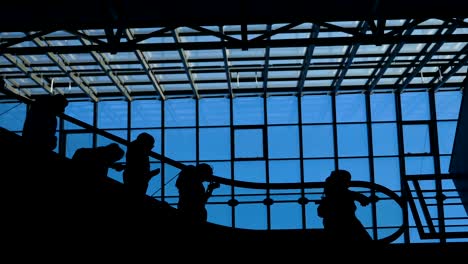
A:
255,185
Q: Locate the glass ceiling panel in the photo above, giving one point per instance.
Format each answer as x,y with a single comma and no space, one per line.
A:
359,72
454,46
37,58
317,83
387,81
199,38
372,49
239,53
169,39
164,65
246,85
47,68
321,73
176,87
335,50
23,81
346,24
120,56
280,84
410,48
249,63
291,36
204,54
293,51
135,78
96,79
354,82
208,64
67,42
394,71
283,74
428,32
395,22
211,76
432,22
145,30
461,31
84,57
140,88
172,77
212,86
163,55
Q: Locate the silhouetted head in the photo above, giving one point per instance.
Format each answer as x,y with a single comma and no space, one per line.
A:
146,140
338,179
58,103
205,171
114,152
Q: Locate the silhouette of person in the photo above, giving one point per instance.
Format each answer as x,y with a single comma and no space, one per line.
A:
40,125
192,194
98,160
137,173
337,208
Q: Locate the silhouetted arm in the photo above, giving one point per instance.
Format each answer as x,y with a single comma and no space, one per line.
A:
210,189
361,198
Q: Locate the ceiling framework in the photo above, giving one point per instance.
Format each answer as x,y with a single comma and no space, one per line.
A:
128,57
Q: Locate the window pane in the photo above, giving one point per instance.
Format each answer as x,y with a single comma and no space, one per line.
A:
387,173
286,216
214,111
112,114
248,111
316,109
415,106
446,131
382,107
248,143
285,171
419,165
384,139
282,109
359,168
251,216
416,139
156,133
317,141
76,141
179,112
82,111
146,113
352,140
12,115
250,171
350,108
215,143
317,170
283,142
448,104
220,214
180,144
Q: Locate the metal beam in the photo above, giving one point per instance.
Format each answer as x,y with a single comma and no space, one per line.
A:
59,62
335,41
427,57
188,71
106,68
20,65
348,59
307,58
146,67
226,66
387,60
